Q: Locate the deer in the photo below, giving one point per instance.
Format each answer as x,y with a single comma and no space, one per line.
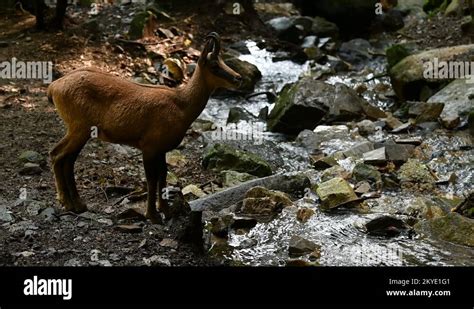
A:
151,118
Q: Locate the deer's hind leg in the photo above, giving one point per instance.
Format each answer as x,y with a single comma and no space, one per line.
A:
63,157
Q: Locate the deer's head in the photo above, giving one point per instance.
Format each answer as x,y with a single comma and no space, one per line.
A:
216,73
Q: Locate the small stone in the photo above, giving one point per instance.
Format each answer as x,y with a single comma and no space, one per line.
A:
450,122
194,190
334,193
129,228
362,187
73,263
48,213
375,157
366,127
303,214
359,150
156,260
31,156
30,169
260,200
82,224
299,246
169,243
5,214
324,162
106,221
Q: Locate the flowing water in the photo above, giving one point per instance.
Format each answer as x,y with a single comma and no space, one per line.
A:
340,234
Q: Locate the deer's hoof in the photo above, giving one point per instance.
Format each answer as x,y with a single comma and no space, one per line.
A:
80,207
154,217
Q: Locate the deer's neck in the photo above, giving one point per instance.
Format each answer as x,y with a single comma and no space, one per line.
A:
195,95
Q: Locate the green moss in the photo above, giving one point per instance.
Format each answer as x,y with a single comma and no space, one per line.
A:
223,157
284,101
395,54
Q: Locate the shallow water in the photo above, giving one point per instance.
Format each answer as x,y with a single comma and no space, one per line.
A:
340,235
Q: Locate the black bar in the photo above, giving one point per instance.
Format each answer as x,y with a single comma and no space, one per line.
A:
239,285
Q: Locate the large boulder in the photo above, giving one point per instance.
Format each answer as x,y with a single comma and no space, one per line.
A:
411,74
309,102
223,157
457,97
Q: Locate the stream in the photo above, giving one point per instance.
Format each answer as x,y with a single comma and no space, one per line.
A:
339,233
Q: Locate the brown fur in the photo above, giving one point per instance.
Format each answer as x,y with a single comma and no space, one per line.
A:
153,119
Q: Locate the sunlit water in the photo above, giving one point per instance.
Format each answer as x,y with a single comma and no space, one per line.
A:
340,234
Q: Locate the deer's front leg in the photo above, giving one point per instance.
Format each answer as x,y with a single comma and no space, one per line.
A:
163,196
150,164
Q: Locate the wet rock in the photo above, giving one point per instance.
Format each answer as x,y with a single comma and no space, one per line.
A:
156,260
304,213
425,112
364,172
409,75
395,54
385,226
129,228
453,228
358,150
366,127
335,171
450,122
375,157
324,28
237,114
457,97
362,187
299,246
392,122
34,207
169,243
310,41
241,47
239,222
422,208
30,169
416,141
194,190
292,184
202,125
233,178
249,72
334,193
223,157
311,140
220,225
291,29
397,153
308,102
355,51
415,172
262,201
324,162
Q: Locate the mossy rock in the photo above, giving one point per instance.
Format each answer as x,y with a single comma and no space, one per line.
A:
334,193
223,157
